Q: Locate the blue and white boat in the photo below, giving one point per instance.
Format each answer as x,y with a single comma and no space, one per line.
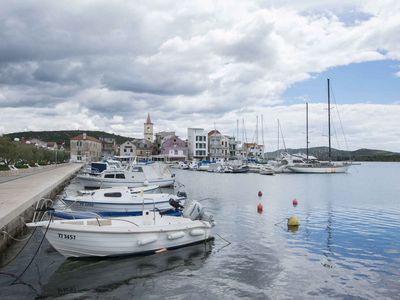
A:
119,201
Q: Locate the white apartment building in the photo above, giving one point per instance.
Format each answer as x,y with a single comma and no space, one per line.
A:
197,143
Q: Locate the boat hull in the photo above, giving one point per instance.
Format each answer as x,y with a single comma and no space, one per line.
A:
115,206
98,182
83,242
319,170
79,214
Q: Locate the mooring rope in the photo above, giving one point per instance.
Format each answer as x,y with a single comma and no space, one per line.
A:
36,252
20,250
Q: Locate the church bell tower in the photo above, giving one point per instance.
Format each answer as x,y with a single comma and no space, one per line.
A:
148,129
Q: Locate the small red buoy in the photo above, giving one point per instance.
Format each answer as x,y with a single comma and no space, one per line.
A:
295,202
259,193
259,208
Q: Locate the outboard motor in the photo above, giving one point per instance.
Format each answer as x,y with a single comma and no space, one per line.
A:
195,211
192,210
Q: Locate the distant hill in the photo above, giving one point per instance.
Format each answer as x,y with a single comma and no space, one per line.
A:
358,155
65,135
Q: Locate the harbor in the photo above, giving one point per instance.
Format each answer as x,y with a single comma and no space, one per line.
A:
347,244
199,150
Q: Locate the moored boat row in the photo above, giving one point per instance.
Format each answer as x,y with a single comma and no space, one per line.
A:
121,220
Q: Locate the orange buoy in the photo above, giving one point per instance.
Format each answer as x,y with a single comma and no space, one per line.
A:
295,202
259,193
259,208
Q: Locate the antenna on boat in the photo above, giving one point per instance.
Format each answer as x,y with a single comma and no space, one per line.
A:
329,121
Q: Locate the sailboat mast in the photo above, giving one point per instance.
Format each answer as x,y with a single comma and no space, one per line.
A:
307,129
262,135
237,130
329,121
257,129
277,152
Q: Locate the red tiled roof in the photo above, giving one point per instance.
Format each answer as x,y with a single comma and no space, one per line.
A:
213,131
88,138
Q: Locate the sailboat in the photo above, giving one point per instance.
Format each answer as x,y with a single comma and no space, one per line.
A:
317,167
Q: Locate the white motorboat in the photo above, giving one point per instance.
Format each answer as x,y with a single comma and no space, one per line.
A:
127,235
266,170
95,168
133,176
142,189
119,200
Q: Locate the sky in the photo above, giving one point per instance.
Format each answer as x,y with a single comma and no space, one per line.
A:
103,65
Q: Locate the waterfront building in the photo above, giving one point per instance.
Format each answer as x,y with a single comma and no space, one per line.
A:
160,136
252,150
233,148
174,149
127,149
197,143
85,148
218,145
148,129
108,146
144,149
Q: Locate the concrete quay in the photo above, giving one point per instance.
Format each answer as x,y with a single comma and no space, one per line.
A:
18,196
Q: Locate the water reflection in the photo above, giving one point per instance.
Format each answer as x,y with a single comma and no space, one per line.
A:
75,276
347,245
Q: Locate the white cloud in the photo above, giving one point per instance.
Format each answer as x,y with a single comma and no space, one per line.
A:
104,65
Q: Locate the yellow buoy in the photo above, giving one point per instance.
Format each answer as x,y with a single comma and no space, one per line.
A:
293,221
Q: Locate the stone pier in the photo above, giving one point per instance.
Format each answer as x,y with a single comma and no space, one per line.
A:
19,194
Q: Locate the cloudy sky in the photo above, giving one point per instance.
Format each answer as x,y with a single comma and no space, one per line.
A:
102,65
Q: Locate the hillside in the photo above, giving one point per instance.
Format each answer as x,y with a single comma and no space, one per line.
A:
64,135
358,155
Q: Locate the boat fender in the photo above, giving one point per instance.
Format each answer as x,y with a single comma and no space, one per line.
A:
260,208
147,241
197,232
176,235
293,221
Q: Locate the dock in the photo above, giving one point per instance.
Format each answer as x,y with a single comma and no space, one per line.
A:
19,195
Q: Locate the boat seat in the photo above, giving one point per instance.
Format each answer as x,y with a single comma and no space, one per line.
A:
97,222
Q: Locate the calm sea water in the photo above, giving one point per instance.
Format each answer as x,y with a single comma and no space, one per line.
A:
347,245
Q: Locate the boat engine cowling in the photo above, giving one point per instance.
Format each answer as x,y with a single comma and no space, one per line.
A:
195,211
